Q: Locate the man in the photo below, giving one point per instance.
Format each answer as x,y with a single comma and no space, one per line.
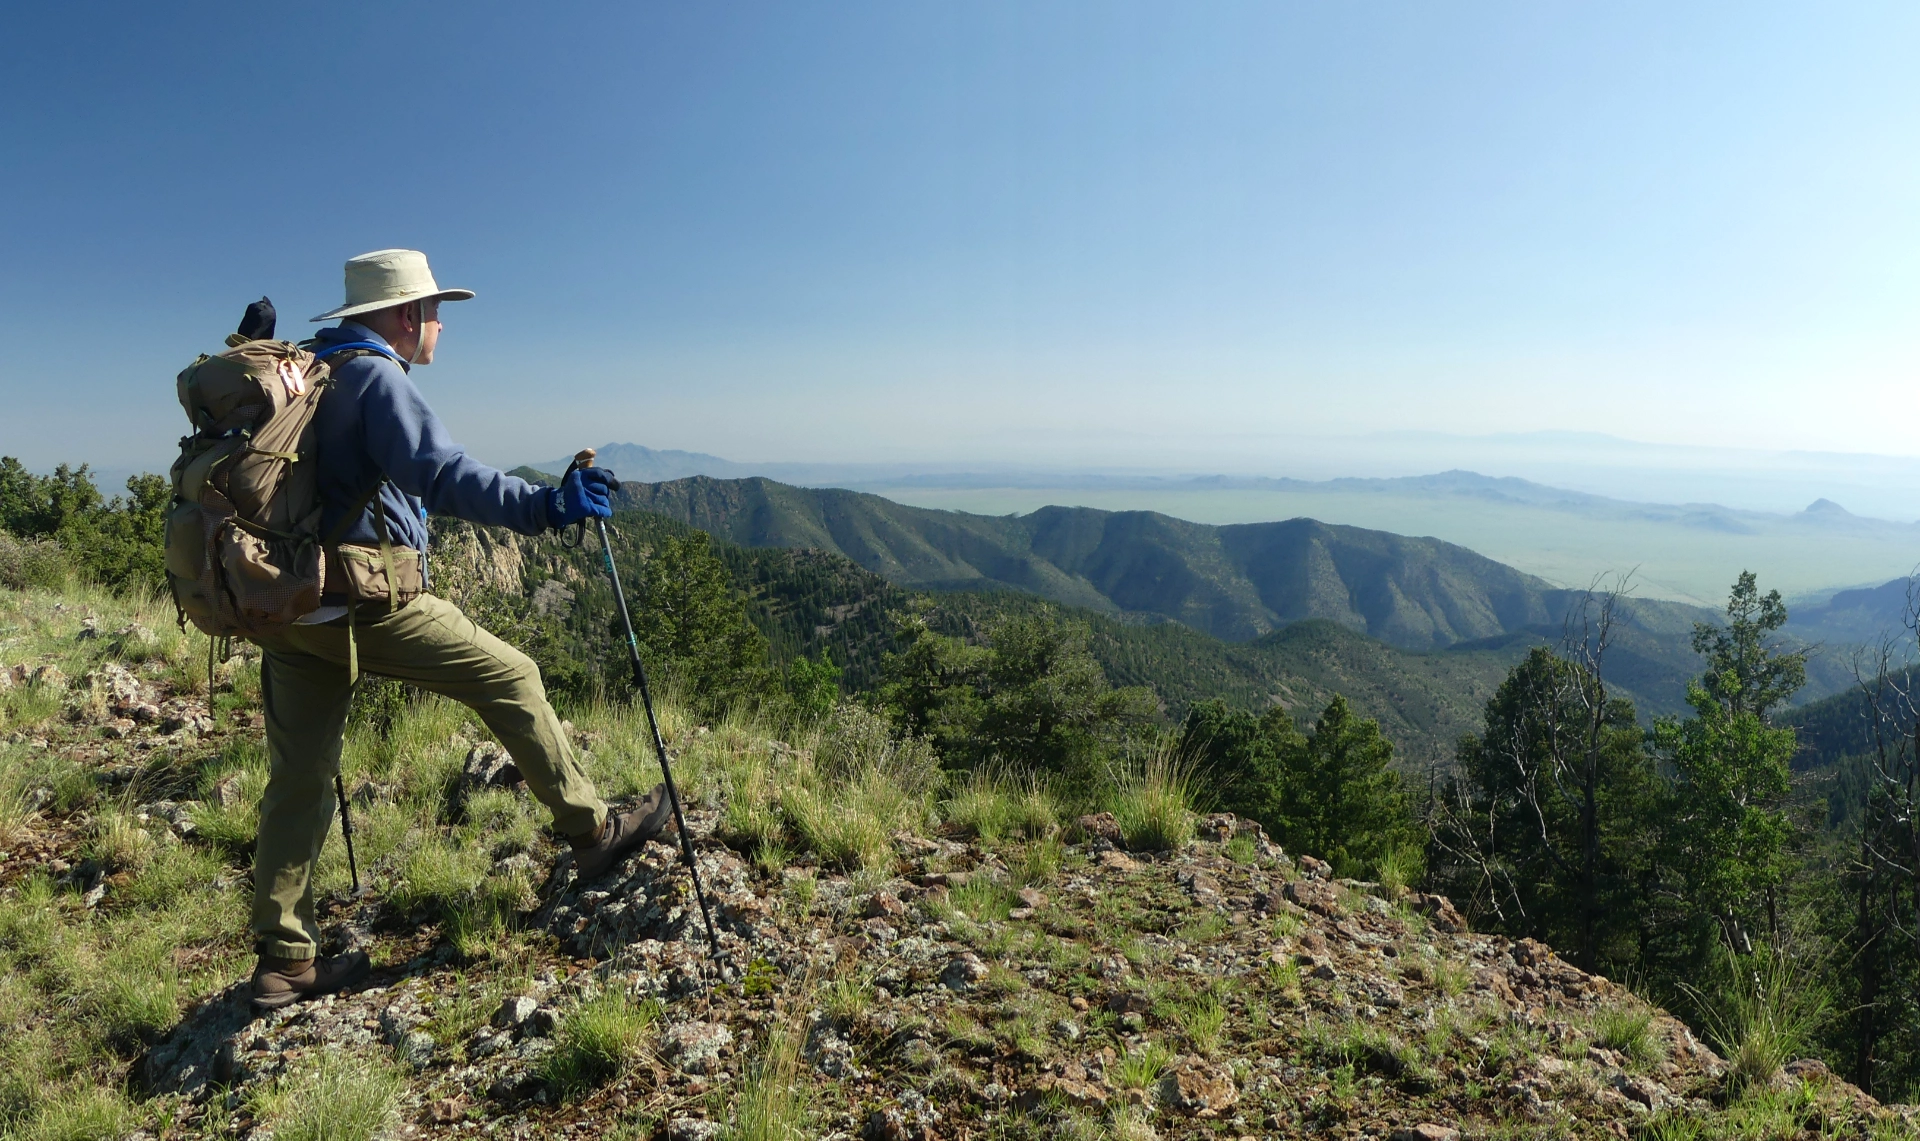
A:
384,461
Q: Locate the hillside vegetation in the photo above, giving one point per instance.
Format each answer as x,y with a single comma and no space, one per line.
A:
1239,584
1065,818
910,954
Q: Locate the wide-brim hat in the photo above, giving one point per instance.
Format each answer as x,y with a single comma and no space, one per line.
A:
385,278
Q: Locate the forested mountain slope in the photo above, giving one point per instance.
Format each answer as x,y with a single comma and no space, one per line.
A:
809,602
1235,582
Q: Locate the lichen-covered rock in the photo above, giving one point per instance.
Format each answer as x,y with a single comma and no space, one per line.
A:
695,1047
1199,1089
966,971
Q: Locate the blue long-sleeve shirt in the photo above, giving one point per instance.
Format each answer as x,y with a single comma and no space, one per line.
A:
375,423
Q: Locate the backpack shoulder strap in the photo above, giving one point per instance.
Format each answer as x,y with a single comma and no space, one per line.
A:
320,352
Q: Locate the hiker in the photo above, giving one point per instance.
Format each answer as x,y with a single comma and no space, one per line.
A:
384,462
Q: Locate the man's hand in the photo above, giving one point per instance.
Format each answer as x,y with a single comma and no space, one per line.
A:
586,493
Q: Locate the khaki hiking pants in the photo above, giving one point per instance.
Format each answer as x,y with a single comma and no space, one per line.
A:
303,683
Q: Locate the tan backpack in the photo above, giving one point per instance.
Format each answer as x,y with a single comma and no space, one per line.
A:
243,549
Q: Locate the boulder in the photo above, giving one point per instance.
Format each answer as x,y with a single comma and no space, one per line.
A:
1440,911
693,1129
1317,896
883,905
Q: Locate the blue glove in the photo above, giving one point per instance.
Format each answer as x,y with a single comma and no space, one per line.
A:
586,493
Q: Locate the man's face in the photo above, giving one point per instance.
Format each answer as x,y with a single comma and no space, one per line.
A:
429,331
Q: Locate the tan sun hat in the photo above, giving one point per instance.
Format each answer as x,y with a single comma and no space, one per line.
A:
385,278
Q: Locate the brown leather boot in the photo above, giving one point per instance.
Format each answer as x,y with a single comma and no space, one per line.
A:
277,981
621,833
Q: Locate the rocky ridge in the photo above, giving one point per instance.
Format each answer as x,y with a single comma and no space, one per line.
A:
941,1003
1053,986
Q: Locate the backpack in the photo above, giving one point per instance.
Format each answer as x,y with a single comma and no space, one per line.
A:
244,553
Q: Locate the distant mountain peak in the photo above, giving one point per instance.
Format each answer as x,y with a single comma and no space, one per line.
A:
1826,507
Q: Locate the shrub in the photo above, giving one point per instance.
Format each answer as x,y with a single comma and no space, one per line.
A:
596,1040
28,564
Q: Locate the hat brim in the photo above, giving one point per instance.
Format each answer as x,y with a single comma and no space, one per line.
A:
375,306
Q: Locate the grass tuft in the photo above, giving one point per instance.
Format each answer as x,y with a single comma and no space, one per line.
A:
1142,1066
1767,1009
772,1101
596,1040
1202,1021
336,1097
1629,1031
1153,800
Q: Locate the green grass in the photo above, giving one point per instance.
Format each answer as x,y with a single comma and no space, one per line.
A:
1153,801
1629,1030
85,1113
982,900
1203,1021
1040,862
1142,1066
845,1000
119,844
771,1104
845,798
1762,1012
598,1039
336,1096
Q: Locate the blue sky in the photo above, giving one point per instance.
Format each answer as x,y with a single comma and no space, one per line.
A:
1103,233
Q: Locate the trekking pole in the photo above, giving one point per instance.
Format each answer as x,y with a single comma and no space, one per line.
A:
585,460
346,830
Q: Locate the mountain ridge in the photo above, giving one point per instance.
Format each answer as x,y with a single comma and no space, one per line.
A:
1238,581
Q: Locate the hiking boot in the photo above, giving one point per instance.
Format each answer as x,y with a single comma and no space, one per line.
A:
277,981
621,834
